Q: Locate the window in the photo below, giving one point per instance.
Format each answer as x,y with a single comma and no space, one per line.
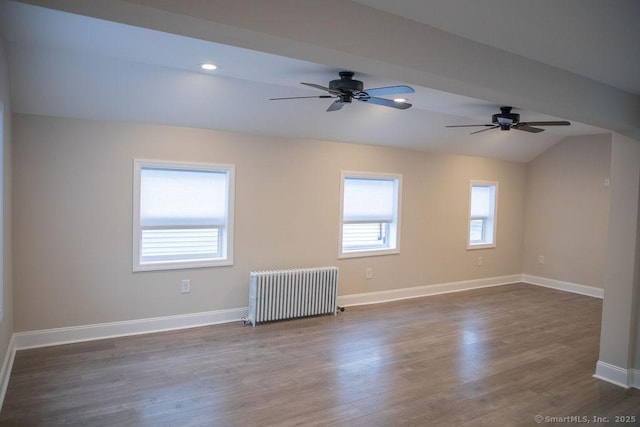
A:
183,215
370,223
483,200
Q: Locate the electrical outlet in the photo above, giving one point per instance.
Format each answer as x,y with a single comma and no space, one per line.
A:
369,274
541,259
185,286
480,261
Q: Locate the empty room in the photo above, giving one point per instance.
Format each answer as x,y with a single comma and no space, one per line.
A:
304,212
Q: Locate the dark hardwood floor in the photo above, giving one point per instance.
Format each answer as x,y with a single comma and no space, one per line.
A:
490,357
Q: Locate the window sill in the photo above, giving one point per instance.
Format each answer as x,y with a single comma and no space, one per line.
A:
368,253
481,246
182,265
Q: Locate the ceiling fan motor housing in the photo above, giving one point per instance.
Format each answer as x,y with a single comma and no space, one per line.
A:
506,118
346,83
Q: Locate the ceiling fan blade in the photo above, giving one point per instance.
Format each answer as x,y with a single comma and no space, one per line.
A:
336,105
484,130
385,102
388,90
465,126
554,123
326,89
526,128
301,97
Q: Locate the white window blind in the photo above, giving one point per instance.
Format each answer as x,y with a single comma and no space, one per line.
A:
482,217
183,215
369,214
368,200
481,205
170,197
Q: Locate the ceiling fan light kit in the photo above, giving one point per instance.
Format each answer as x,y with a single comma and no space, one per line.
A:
345,89
506,120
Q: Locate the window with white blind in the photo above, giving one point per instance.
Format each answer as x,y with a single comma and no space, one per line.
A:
183,215
483,198
370,223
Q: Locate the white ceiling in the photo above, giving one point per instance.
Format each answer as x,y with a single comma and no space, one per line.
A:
69,65
594,38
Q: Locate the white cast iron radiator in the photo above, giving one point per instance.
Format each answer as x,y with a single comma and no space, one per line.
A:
287,294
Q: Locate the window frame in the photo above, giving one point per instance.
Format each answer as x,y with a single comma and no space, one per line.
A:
225,234
393,234
491,220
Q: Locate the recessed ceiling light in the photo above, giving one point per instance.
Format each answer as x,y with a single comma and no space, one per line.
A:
400,99
208,67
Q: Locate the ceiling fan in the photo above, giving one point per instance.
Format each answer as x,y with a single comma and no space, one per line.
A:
507,120
346,89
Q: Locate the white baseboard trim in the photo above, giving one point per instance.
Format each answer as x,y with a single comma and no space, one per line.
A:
57,336
563,286
612,374
5,372
422,291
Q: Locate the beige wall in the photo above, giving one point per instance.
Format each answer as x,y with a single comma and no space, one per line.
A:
6,325
567,211
73,218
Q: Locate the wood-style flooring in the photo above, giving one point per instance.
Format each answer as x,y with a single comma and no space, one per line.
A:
489,357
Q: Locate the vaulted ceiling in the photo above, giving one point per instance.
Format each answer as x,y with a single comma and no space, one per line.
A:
138,60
